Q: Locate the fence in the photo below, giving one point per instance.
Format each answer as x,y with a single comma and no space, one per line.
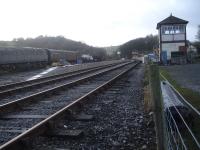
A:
176,122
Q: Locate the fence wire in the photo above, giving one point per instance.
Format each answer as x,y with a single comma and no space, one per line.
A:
178,132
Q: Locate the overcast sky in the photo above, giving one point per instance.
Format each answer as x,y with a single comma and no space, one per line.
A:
95,22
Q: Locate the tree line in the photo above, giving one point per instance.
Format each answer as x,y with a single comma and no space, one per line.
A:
197,43
140,45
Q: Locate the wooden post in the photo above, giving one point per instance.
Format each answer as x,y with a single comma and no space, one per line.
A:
157,105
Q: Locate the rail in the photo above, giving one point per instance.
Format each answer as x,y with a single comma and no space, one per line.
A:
11,85
14,87
43,125
31,98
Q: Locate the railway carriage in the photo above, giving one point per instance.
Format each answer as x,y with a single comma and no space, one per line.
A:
12,58
59,55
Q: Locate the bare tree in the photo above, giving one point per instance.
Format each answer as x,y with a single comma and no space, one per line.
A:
198,33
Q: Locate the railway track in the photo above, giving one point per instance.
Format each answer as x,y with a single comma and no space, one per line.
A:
25,90
45,108
109,118
14,87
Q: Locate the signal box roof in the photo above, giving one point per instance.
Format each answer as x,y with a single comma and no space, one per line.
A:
171,20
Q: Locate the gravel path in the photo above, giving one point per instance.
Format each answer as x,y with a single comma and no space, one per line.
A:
120,121
187,76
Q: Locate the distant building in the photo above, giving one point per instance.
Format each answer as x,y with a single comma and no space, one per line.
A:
172,40
137,56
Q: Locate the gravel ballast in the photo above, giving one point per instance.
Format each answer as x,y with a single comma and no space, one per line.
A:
32,90
119,120
51,103
48,71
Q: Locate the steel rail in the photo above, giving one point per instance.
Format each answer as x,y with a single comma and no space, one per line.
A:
41,126
41,78
30,98
41,81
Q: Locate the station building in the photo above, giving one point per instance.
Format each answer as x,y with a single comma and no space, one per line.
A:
172,40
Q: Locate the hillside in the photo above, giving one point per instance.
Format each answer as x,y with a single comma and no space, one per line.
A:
141,45
111,49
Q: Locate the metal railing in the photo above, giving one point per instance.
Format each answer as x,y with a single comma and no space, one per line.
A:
179,132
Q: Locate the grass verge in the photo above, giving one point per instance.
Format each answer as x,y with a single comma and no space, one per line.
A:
148,104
